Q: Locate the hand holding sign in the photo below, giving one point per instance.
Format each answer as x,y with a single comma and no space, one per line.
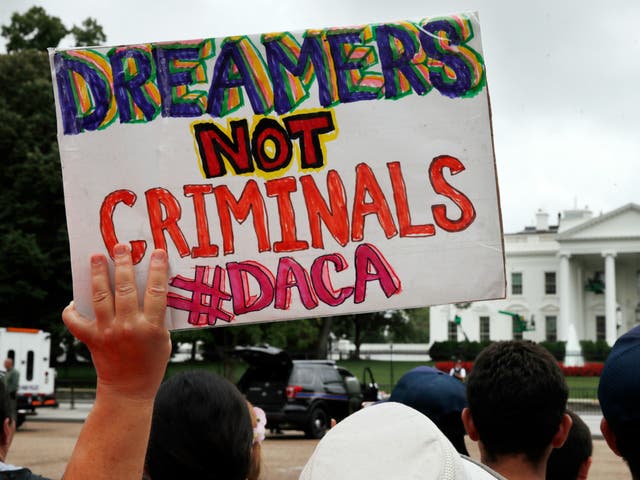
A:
130,348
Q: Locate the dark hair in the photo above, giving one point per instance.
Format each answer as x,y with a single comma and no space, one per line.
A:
564,463
201,428
517,396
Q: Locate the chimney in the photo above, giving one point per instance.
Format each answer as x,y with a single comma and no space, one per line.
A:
542,220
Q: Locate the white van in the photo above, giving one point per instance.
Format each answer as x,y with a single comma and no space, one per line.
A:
30,350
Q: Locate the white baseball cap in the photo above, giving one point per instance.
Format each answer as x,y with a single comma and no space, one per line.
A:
385,442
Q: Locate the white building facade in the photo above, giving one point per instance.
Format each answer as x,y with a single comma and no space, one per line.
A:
576,280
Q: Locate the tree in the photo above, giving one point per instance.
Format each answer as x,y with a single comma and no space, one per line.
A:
89,34
410,326
35,279
34,29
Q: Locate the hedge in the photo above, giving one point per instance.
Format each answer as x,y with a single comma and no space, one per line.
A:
450,350
595,351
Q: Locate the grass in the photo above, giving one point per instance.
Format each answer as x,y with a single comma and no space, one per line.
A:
386,374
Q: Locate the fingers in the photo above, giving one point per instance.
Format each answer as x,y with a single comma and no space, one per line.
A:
155,297
79,326
126,294
101,288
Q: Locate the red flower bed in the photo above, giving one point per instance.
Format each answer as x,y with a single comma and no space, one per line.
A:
447,366
593,369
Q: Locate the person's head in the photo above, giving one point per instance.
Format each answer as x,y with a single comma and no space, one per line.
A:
458,363
201,428
619,395
517,399
8,427
573,459
384,441
438,396
8,363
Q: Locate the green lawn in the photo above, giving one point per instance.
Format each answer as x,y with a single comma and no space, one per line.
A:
386,374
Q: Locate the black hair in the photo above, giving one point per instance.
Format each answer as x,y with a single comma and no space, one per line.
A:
564,462
201,428
517,397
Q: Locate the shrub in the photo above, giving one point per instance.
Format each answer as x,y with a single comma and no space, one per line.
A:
557,349
443,351
595,351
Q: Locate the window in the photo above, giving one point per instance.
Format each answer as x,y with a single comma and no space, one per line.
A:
452,333
516,328
601,327
550,283
516,283
551,327
30,365
330,375
485,332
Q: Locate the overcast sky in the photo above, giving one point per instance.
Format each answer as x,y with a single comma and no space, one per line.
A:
564,78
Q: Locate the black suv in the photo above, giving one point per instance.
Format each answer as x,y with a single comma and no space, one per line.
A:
300,394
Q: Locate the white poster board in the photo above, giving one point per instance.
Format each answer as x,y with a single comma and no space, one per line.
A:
287,175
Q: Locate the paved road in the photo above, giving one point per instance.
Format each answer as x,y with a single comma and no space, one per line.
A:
45,448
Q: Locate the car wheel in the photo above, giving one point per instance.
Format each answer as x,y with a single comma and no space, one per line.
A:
318,423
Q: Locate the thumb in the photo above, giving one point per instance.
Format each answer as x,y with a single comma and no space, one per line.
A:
79,326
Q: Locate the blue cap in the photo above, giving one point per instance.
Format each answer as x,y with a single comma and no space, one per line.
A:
436,395
619,388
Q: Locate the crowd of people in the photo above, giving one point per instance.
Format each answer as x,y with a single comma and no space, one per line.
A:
198,425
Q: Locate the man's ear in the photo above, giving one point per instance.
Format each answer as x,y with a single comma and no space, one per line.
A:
609,436
583,471
8,428
469,426
563,431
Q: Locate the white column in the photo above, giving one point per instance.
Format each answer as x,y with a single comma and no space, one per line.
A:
610,296
564,290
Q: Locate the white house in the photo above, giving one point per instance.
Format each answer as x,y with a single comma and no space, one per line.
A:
579,279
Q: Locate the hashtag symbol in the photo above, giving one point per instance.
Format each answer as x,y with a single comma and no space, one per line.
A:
205,303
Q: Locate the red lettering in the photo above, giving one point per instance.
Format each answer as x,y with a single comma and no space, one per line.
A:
292,274
308,127
243,301
204,247
107,228
322,281
214,144
269,130
336,219
402,206
250,201
371,265
366,183
281,188
440,186
160,200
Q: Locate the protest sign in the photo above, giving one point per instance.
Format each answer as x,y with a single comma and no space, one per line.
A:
288,175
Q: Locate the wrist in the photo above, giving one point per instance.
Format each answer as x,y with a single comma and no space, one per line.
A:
116,394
